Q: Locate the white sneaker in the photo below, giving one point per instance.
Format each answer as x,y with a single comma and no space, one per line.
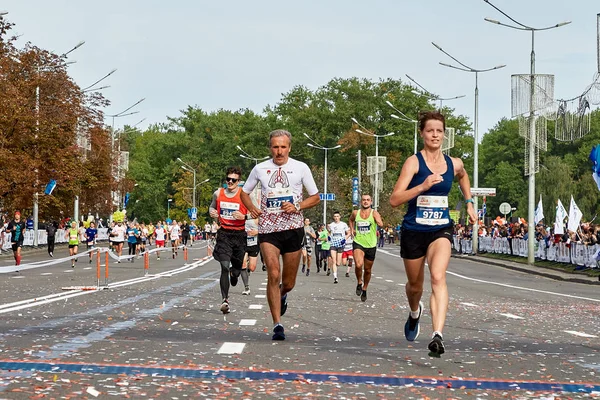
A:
225,307
246,291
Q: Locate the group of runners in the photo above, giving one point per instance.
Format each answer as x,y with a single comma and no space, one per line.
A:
275,221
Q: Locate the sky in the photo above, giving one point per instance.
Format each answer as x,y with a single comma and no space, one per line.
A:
244,54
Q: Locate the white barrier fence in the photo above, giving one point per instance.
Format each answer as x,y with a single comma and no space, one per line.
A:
60,237
574,253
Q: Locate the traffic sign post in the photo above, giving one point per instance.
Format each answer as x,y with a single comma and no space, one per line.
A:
505,208
483,191
193,213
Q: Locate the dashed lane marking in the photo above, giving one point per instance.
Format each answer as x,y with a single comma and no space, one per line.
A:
231,348
247,322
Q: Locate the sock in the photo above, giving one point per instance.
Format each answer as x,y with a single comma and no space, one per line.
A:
245,277
437,333
414,314
335,275
18,260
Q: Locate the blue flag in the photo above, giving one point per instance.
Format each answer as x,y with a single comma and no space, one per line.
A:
50,187
595,159
126,200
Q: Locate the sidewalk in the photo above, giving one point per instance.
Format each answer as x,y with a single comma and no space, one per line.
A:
533,269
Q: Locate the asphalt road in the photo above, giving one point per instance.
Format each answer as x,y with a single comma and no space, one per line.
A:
160,334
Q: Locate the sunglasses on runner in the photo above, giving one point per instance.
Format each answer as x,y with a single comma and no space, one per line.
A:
232,180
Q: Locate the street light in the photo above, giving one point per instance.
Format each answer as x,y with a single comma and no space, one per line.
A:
249,157
123,113
532,132
98,81
466,68
376,194
431,95
192,170
37,128
316,145
169,208
405,119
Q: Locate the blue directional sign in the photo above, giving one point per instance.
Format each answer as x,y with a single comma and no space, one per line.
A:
327,196
193,213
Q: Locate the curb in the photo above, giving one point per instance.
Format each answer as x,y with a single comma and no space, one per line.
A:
512,266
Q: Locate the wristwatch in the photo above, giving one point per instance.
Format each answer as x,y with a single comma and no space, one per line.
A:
297,205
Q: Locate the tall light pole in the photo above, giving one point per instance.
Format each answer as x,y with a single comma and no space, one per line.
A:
249,157
532,136
192,170
36,195
365,132
466,68
431,95
405,119
169,208
316,145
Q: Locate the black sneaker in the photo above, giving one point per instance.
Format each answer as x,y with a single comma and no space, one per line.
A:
363,296
411,327
328,272
359,289
278,332
335,280
347,275
283,309
90,260
303,268
264,268
307,272
436,346
233,279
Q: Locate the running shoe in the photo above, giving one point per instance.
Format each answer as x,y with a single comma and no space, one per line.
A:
436,346
233,279
411,327
303,268
90,260
157,258
335,280
225,307
264,268
51,255
347,275
328,272
307,272
359,289
363,296
246,291
278,332
283,307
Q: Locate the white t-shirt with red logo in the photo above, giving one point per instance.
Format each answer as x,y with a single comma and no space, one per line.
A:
280,184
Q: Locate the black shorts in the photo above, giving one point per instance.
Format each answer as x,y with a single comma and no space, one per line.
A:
72,246
414,244
308,250
16,245
288,241
231,246
324,254
253,250
369,251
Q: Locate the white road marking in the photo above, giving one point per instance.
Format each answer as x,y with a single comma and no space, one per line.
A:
18,277
255,307
262,288
260,296
510,286
469,304
47,273
389,280
231,348
247,322
581,334
511,316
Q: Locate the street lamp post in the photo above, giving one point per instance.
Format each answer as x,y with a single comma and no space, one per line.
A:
376,194
316,145
532,138
169,208
193,171
37,128
432,96
249,157
466,68
405,119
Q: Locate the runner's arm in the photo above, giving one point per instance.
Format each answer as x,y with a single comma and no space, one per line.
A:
351,222
377,218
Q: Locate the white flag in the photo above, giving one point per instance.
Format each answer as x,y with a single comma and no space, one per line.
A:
561,214
539,212
574,216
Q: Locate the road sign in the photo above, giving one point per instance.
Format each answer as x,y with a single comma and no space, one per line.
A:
505,208
328,196
194,214
483,191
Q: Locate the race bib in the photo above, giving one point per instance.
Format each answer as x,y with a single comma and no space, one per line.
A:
251,241
227,209
276,198
363,226
338,234
432,210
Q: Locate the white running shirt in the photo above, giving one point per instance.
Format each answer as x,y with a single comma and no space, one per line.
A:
174,232
160,234
337,231
119,232
279,184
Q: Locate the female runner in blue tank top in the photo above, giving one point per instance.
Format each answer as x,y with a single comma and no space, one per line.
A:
424,183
